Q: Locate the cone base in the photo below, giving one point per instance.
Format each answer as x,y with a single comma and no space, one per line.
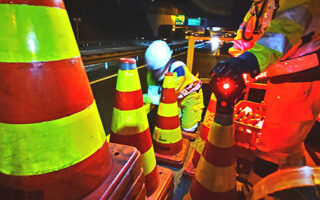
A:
190,168
137,190
126,168
190,136
165,188
175,160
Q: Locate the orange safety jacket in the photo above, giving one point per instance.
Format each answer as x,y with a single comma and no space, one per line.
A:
284,31
253,26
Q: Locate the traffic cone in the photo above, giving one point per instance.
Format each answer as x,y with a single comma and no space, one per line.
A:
129,121
201,140
215,176
52,142
169,145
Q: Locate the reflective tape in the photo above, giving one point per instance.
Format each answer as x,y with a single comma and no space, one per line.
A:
128,100
168,95
168,123
293,65
168,149
200,145
204,133
128,81
216,179
142,141
263,55
198,191
148,161
168,110
129,122
35,33
168,81
59,89
38,148
208,119
167,136
219,157
275,41
221,136
300,15
152,181
54,3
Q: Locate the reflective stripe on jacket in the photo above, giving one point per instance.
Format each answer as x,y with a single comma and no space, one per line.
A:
294,31
254,24
283,38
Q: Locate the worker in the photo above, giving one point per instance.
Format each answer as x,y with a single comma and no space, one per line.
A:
281,39
187,87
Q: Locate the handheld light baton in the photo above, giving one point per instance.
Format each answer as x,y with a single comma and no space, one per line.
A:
227,90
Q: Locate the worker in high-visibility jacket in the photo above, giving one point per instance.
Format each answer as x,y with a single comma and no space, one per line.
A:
280,39
187,87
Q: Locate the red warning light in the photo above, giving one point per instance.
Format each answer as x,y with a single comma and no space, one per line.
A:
226,85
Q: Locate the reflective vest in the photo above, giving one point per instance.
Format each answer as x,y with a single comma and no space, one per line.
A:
255,22
185,81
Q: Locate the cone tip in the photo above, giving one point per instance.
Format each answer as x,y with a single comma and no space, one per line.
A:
128,60
128,63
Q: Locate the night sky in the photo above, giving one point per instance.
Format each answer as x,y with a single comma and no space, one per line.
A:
127,19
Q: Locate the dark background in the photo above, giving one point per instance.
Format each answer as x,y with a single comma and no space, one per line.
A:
127,19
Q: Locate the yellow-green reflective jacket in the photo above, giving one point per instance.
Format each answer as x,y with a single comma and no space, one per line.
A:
290,30
182,76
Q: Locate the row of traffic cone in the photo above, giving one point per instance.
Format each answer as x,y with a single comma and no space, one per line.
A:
215,176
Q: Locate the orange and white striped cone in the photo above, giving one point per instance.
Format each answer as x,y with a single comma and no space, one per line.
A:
52,141
130,123
201,140
169,145
215,176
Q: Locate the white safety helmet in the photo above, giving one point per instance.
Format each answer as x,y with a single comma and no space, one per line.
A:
157,55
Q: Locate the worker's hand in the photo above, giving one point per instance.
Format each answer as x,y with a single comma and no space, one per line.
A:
227,82
151,99
235,67
226,90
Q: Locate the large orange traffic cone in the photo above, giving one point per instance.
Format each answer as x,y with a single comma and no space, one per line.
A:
52,142
129,121
215,177
201,140
170,147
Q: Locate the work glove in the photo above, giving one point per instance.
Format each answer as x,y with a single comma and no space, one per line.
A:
234,67
227,82
153,96
153,99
